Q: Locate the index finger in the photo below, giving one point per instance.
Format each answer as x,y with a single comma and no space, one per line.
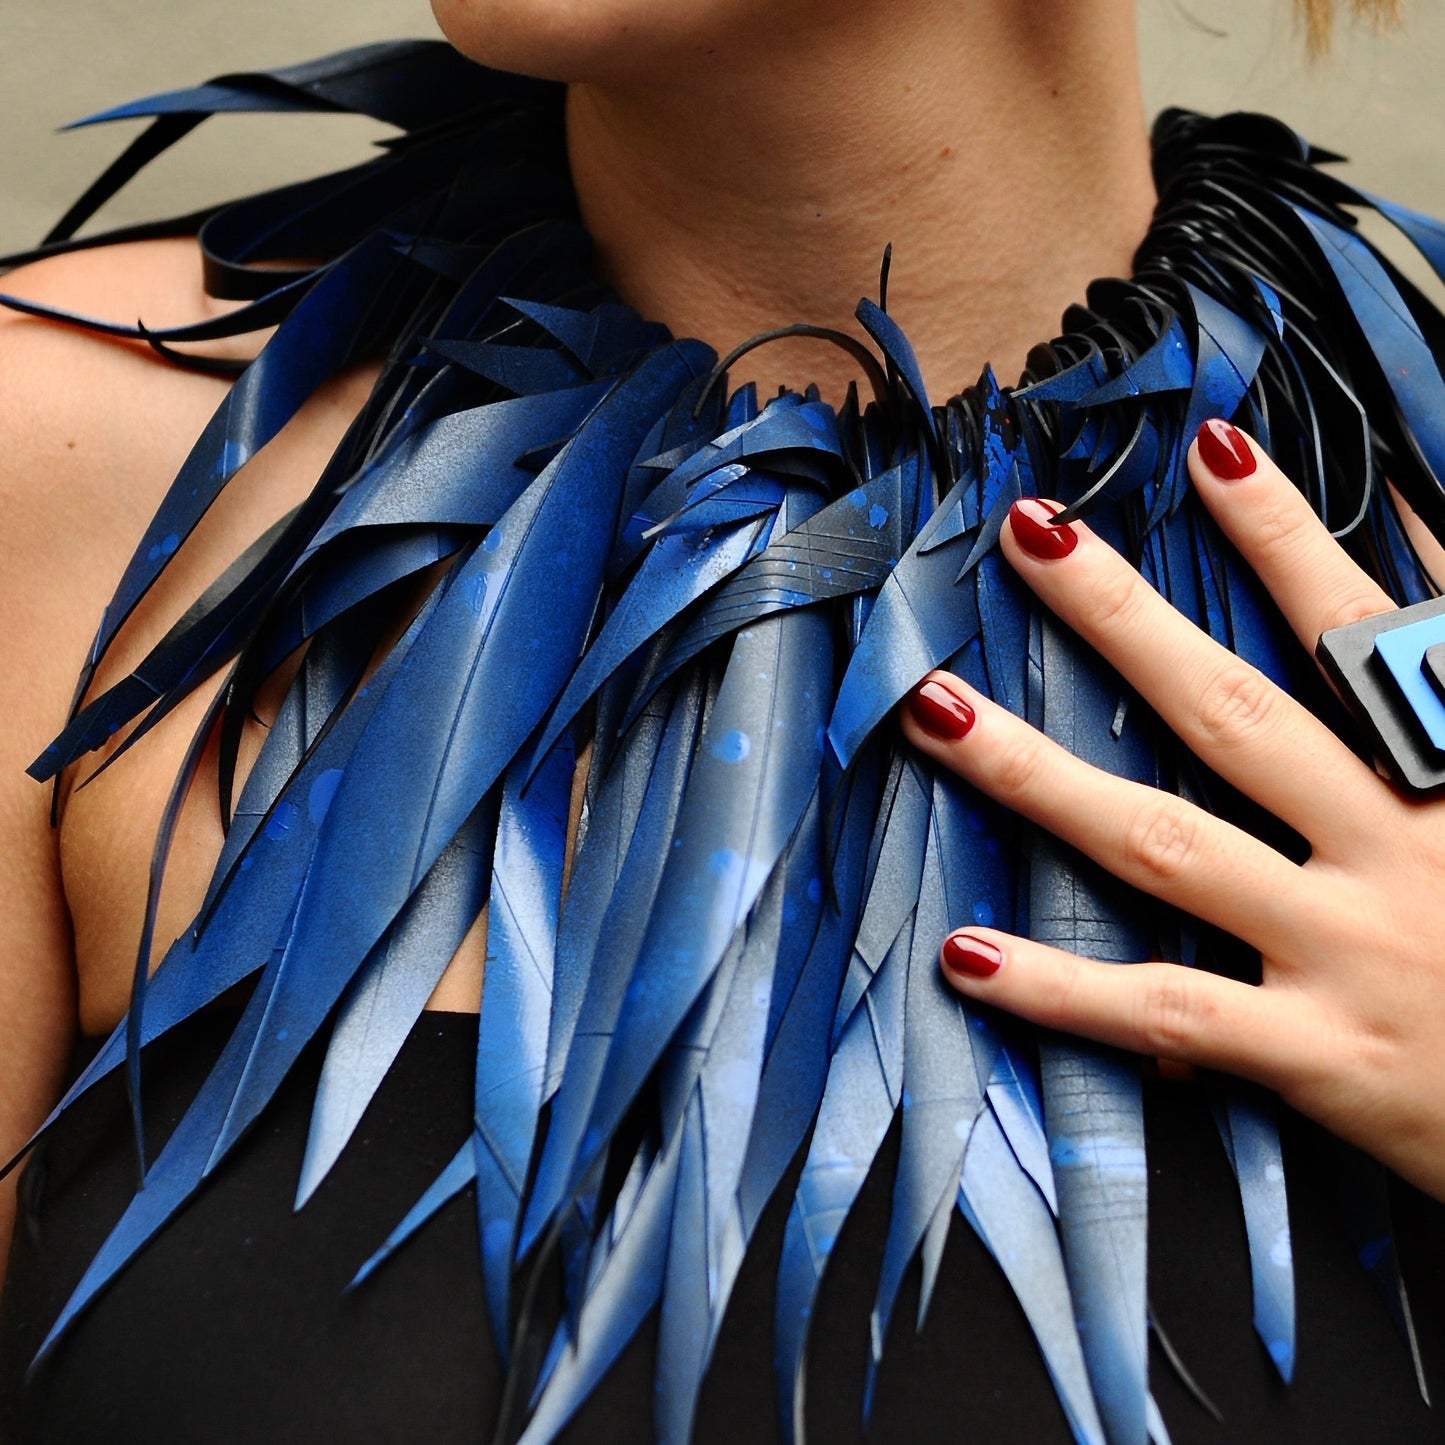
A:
1304,569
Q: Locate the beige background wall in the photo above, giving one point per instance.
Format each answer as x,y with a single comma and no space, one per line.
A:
1381,100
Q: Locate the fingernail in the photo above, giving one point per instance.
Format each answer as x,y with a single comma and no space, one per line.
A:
972,957
1037,533
939,711
1175,1072
1223,449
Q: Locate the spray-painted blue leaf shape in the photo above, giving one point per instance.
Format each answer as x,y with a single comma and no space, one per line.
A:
674,574
719,1060
847,548
1009,1216
406,82
1251,1139
625,1290
1165,366
381,834
1017,1104
456,1175
893,885
526,895
386,998
246,918
799,1039
522,370
1426,233
946,1066
1393,335
756,768
1093,1106
462,467
920,618
865,1086
621,852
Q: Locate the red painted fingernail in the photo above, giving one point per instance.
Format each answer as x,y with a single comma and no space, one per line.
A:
1223,449
972,957
939,711
1037,533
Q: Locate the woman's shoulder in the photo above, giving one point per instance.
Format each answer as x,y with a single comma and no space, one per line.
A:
89,428
92,428
93,431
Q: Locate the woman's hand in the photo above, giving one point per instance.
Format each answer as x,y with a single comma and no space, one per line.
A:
1349,1023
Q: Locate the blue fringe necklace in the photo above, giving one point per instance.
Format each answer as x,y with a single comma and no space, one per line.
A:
722,598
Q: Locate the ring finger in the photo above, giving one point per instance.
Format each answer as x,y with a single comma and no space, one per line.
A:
1151,839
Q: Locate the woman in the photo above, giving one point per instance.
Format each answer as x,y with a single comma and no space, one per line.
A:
730,183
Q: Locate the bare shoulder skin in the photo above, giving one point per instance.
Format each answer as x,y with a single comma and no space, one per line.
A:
91,433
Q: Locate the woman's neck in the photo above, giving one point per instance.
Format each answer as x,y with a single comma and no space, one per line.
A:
1001,149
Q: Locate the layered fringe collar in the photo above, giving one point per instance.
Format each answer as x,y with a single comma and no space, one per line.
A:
718,599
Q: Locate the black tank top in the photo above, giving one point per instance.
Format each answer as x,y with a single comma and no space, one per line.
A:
232,1326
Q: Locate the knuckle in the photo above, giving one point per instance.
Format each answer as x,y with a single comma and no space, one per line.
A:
1334,1054
1234,703
1115,597
1060,1001
1281,524
1159,840
1018,766
1173,1015
1355,607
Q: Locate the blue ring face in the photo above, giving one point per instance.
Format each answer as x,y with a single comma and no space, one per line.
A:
1390,672
1403,651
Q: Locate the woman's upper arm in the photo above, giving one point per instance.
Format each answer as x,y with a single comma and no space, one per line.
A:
37,975
91,431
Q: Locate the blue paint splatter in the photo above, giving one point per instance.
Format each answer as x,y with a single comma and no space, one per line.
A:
491,545
233,456
724,861
732,747
877,516
282,821
1372,1253
1280,1253
323,790
474,589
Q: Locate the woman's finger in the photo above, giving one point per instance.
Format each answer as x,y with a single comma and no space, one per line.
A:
1157,1009
1152,839
1228,712
1278,534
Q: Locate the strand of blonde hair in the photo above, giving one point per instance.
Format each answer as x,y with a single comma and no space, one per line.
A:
1319,18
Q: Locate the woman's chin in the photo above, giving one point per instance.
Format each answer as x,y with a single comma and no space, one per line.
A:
594,40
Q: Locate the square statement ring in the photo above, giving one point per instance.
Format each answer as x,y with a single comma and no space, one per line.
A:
1390,670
